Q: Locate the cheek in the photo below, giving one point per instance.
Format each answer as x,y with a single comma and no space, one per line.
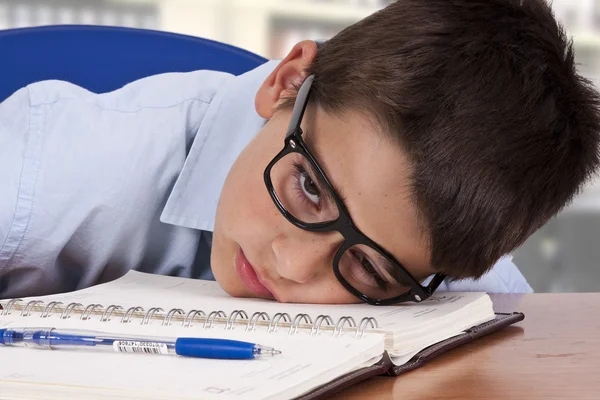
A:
324,291
242,220
246,213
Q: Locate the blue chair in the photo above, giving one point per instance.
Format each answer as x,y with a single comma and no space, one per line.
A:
102,59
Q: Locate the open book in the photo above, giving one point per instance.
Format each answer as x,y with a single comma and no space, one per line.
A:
324,347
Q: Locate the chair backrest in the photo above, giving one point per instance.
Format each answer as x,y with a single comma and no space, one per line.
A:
102,59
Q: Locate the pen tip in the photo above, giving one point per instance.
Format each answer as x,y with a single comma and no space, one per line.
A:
263,351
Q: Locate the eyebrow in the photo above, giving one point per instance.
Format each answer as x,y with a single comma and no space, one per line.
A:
307,137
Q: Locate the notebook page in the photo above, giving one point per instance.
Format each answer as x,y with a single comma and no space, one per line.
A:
306,362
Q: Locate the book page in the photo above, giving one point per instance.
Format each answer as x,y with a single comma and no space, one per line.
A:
306,362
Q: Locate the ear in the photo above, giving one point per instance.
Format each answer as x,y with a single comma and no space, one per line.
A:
281,83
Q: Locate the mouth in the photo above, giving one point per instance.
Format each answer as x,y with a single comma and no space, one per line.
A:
249,277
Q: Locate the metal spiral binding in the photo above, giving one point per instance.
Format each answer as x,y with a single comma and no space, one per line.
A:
273,325
316,327
109,311
167,320
212,316
129,314
150,314
362,326
337,331
85,315
49,307
69,309
9,305
189,318
254,319
297,320
233,316
26,312
300,322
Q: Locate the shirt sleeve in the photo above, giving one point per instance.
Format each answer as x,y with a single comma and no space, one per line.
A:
84,178
14,138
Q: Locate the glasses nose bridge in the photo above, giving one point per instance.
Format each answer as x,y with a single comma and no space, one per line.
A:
343,228
347,230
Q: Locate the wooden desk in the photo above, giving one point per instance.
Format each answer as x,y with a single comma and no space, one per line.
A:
553,354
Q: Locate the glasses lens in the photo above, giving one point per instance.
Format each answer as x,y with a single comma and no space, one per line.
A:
372,273
302,191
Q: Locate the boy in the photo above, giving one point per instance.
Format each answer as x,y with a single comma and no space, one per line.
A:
426,143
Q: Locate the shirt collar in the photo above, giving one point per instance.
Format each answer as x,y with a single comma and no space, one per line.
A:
229,124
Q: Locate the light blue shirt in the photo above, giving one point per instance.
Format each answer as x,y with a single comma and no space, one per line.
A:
96,184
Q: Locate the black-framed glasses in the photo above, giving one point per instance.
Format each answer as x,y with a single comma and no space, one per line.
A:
305,196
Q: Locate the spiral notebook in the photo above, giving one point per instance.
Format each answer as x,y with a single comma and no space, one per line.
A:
324,347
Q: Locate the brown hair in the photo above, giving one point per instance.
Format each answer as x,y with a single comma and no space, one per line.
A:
484,97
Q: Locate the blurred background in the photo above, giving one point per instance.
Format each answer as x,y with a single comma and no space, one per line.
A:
563,256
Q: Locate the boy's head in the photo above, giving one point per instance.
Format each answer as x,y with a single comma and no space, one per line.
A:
452,129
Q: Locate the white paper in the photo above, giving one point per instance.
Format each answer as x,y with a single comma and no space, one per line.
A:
305,362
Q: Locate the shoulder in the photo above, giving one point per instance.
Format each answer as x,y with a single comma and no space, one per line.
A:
504,277
157,91
102,163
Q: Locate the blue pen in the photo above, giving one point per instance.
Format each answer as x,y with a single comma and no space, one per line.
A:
51,338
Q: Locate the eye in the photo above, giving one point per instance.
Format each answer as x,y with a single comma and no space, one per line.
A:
306,187
368,271
309,187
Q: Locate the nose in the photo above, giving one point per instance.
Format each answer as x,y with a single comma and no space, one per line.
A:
302,255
